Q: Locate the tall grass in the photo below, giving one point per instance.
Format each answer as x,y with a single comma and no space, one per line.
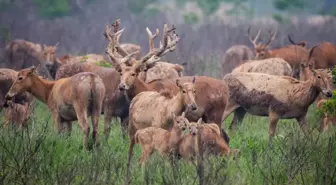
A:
38,155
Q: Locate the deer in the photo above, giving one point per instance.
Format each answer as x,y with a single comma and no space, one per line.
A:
68,99
19,110
235,56
158,139
153,109
293,54
323,55
20,54
209,141
278,97
116,103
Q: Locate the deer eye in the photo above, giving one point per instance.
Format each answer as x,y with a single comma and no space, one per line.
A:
318,76
133,74
183,91
20,78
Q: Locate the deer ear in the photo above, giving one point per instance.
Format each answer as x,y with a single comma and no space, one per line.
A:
199,121
194,80
32,69
183,114
178,83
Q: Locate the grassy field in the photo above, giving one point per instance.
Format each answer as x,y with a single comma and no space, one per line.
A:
38,155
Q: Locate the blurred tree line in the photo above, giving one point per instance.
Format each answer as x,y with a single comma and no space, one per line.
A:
59,8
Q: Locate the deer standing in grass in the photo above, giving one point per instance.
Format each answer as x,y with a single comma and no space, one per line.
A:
69,99
153,109
293,54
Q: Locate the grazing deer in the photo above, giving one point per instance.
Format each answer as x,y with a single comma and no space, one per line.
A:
18,111
293,54
323,56
69,99
153,109
159,139
278,97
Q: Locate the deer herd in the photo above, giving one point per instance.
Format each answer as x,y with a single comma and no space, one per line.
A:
159,107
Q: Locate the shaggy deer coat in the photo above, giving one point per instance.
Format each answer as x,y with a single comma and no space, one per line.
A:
69,99
272,66
274,96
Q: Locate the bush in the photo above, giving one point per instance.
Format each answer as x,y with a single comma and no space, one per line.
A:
53,8
330,106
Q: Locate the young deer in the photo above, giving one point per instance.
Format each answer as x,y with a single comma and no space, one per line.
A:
69,99
159,139
153,109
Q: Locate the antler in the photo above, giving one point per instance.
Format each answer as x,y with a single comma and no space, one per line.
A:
169,44
112,46
272,37
256,37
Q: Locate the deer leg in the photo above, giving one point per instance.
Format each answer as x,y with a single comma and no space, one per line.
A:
131,133
57,121
83,122
146,152
123,125
95,121
68,125
273,120
324,124
229,109
238,117
303,124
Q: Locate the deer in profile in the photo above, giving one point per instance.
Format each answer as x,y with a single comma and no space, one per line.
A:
293,54
158,139
69,99
154,109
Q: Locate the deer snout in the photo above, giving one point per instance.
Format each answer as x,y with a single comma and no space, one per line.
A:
328,94
123,87
193,131
193,107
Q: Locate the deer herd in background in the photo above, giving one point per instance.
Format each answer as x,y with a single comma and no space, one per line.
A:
159,107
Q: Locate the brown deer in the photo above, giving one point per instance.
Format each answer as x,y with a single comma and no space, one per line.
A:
235,56
116,104
302,43
69,99
158,139
278,97
18,111
209,139
323,56
153,109
21,54
293,54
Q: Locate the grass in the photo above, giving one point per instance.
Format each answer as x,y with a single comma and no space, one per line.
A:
38,155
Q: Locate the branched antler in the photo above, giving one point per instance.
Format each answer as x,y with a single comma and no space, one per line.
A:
272,36
254,41
169,44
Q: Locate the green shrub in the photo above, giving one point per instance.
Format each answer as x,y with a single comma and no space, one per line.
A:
190,18
330,106
53,8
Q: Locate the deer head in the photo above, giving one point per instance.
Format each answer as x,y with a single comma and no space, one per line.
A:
261,50
302,44
321,79
128,67
193,127
188,92
180,121
22,82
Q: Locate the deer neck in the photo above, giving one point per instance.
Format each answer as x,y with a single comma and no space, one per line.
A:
41,88
176,104
306,93
138,87
175,135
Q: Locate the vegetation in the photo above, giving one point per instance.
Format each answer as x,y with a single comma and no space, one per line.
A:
330,106
38,155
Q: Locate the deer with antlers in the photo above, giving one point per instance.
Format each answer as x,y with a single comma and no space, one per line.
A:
116,104
293,54
69,99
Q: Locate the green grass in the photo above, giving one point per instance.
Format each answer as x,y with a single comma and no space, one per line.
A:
38,155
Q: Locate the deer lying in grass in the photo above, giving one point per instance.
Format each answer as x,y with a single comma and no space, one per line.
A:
18,111
69,99
275,96
159,139
153,109
209,141
293,54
